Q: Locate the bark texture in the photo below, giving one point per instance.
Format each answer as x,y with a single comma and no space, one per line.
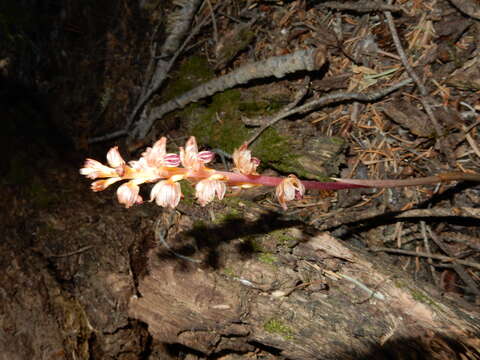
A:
321,299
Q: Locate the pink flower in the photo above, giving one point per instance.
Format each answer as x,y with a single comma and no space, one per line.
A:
114,158
290,188
171,160
101,185
206,190
94,169
206,156
166,193
157,156
191,158
244,162
127,194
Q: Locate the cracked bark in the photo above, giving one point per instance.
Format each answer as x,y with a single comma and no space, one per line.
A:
354,305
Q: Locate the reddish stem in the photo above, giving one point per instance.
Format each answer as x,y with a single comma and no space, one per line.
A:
239,179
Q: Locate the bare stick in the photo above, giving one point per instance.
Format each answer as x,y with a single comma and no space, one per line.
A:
178,29
110,136
298,97
459,269
343,218
161,231
361,6
431,256
413,75
330,99
278,66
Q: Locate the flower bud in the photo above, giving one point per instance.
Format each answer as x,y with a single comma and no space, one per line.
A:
171,160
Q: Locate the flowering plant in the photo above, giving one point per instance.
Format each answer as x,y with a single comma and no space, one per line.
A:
167,169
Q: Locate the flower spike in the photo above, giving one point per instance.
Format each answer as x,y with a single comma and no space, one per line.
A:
157,166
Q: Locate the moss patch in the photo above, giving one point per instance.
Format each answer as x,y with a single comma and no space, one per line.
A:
191,73
188,192
267,258
276,326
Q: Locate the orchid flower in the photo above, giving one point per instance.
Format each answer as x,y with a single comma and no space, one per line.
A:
157,166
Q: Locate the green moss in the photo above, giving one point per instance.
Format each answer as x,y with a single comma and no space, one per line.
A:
188,192
337,140
423,298
275,326
267,258
253,109
217,121
255,244
191,73
282,238
229,272
219,125
231,215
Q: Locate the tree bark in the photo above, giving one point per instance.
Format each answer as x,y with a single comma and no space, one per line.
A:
320,299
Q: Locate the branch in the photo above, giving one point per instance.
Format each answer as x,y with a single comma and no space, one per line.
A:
326,100
446,177
278,66
176,30
431,256
361,6
413,75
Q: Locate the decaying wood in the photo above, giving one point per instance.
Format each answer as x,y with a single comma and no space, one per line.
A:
322,300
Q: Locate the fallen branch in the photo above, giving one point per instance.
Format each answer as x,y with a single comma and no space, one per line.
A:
278,66
345,218
161,64
361,6
413,75
326,100
425,255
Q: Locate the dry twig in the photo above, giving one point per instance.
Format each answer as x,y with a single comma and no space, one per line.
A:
361,6
171,47
272,121
459,269
413,75
330,99
348,218
426,255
